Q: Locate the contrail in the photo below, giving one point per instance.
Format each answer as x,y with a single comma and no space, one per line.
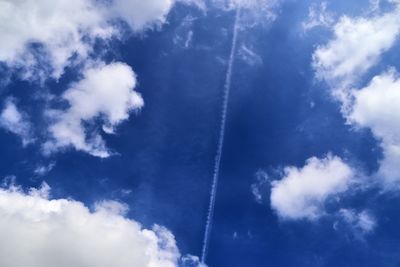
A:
217,163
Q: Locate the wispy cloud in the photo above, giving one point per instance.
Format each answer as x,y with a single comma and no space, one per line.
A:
318,16
16,122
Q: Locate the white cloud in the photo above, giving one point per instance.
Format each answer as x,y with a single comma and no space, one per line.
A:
302,192
357,45
376,107
361,222
142,15
39,232
16,122
59,26
318,16
105,92
40,38
67,28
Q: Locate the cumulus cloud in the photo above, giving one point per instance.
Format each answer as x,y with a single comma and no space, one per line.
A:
58,27
39,232
357,45
302,192
105,92
42,37
376,107
16,122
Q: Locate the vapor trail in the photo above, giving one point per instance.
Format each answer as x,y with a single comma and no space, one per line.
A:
218,156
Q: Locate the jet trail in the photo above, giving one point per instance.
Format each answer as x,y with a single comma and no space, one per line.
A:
218,156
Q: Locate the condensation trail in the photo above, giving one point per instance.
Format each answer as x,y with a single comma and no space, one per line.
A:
218,156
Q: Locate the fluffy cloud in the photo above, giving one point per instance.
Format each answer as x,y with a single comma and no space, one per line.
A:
58,27
356,47
40,38
302,192
376,107
53,32
16,122
141,15
40,232
105,92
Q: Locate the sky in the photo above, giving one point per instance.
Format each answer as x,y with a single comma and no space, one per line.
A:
195,133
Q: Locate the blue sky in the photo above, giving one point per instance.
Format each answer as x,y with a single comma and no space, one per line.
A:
110,118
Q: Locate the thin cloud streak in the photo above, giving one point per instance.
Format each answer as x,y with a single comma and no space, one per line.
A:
217,165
